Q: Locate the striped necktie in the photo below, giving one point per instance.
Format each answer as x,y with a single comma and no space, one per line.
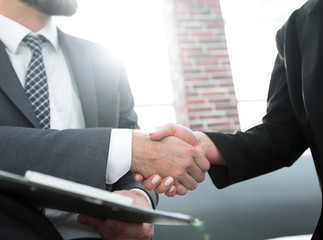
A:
36,86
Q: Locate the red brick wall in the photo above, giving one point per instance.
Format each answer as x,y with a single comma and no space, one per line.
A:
200,66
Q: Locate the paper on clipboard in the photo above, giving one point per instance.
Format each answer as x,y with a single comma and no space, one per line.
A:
77,188
52,192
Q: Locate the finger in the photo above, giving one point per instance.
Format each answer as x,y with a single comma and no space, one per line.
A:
194,169
175,130
129,230
190,173
180,189
97,224
165,185
152,182
199,166
94,222
185,178
161,132
171,192
202,162
198,175
138,177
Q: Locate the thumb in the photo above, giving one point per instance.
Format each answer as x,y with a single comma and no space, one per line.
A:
161,132
175,130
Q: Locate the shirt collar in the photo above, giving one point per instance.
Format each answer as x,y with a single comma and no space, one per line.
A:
15,32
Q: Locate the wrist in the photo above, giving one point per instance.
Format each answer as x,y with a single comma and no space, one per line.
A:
209,149
139,141
141,193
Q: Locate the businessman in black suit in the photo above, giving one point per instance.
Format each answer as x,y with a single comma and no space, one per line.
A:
294,118
69,132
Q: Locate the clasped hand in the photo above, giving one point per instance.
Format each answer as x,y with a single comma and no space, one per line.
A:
175,160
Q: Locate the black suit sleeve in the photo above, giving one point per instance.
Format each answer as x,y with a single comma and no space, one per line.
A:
275,143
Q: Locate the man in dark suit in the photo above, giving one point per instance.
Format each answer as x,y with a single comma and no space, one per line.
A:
85,95
293,122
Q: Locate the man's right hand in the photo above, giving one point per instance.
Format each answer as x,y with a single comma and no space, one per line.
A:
197,139
170,156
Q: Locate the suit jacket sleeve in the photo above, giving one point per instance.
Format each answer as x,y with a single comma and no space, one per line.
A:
275,143
78,155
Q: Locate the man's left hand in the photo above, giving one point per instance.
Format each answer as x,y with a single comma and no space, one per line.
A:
111,229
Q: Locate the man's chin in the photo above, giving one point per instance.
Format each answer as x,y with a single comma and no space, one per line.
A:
53,7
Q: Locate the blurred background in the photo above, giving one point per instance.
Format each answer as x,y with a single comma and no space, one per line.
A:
206,64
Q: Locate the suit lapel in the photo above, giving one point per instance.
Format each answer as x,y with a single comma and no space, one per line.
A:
11,86
80,65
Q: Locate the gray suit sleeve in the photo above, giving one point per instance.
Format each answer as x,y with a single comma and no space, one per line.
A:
78,155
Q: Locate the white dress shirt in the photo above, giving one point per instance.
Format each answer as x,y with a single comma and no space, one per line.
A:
65,108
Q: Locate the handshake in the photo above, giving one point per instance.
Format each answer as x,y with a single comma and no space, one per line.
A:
172,159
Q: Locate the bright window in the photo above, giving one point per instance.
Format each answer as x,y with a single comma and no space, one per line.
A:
135,32
251,26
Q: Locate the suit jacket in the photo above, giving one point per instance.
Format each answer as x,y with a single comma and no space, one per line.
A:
294,117
13,224
79,155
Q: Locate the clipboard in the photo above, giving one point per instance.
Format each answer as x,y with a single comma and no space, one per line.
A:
56,193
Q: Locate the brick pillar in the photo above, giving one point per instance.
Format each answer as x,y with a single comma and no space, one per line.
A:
204,96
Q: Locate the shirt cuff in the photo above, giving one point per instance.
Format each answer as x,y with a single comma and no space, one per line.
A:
119,158
144,194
